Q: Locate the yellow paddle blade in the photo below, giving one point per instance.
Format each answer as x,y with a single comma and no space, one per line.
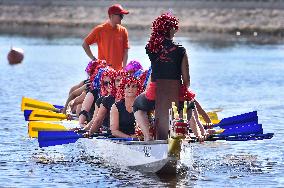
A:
215,121
213,116
219,131
33,104
41,115
34,127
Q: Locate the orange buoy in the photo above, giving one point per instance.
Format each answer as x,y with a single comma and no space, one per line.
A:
15,56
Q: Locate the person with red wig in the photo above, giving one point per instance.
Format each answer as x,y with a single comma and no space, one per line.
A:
168,61
78,92
110,83
92,100
122,120
111,38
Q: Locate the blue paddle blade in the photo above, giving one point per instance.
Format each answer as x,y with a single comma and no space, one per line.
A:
250,137
239,119
58,106
48,143
242,129
52,138
27,114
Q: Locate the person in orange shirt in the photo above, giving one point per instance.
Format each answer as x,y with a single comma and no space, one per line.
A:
111,38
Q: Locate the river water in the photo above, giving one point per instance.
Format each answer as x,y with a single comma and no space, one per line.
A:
235,77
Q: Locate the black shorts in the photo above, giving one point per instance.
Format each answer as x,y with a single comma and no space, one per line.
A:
142,103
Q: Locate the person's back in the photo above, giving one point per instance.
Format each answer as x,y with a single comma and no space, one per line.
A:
167,64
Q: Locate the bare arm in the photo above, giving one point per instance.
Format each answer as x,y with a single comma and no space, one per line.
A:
185,71
88,51
98,119
114,123
125,57
202,112
88,126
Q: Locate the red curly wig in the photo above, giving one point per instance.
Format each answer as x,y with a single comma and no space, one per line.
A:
127,81
93,68
111,74
160,30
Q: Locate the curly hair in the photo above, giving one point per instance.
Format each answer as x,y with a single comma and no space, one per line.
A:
127,81
160,30
111,74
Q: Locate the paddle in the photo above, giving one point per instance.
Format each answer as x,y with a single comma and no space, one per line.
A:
212,115
33,104
238,119
242,129
53,138
42,115
243,137
34,127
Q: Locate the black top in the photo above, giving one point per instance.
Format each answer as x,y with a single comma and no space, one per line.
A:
99,101
95,93
167,63
107,102
126,119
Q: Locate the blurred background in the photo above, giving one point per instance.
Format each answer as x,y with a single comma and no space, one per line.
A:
76,17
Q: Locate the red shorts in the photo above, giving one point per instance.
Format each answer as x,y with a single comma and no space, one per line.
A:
185,94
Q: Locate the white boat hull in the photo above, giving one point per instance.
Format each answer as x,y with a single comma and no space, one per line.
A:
146,157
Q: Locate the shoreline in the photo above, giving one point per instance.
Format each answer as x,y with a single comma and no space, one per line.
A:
76,18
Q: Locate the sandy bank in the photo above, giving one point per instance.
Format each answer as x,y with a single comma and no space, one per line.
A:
77,17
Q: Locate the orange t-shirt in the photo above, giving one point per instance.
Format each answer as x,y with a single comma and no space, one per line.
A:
111,42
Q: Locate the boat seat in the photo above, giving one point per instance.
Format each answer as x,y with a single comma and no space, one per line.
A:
166,93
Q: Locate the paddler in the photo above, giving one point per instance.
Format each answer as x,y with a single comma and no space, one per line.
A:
110,83
122,120
169,60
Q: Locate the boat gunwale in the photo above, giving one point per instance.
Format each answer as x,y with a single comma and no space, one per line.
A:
154,142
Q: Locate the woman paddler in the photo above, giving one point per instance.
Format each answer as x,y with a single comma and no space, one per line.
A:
110,82
168,61
122,121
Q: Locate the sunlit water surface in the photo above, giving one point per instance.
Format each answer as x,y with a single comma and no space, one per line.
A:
233,77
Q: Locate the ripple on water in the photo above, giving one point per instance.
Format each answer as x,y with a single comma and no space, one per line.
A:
237,82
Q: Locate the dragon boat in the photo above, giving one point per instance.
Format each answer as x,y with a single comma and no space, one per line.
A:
163,155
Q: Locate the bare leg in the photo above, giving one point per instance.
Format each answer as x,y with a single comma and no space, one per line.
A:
72,96
76,87
78,109
143,122
194,127
86,105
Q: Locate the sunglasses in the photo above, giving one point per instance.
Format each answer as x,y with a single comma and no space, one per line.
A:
132,86
106,83
120,15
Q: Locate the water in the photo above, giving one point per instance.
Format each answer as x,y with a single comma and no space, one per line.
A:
234,77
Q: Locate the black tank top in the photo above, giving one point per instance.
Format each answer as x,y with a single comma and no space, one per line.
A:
95,93
99,101
126,119
107,102
167,63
